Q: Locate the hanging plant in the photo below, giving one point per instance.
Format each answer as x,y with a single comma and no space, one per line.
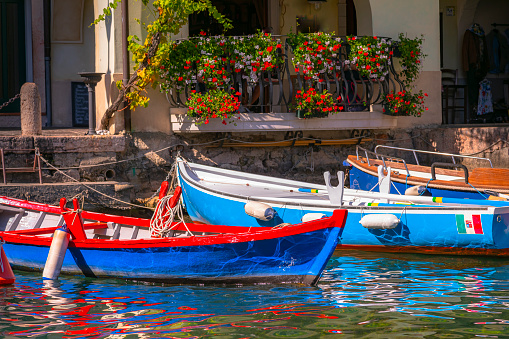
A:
254,53
178,63
370,55
411,58
315,54
405,102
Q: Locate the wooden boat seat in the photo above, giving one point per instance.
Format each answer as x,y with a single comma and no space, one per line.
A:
112,231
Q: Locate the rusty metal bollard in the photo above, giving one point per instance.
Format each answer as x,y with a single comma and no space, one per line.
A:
30,110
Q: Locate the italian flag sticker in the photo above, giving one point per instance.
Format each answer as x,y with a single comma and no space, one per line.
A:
469,224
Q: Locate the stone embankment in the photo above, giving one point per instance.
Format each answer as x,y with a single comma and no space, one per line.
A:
131,167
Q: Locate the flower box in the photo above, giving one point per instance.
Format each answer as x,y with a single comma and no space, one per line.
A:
263,122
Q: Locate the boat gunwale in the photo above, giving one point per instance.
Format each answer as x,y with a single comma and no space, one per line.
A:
257,234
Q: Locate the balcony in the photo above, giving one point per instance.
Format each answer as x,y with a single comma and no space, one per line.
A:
259,122
359,97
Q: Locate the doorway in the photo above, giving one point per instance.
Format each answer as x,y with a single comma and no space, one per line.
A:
247,16
12,52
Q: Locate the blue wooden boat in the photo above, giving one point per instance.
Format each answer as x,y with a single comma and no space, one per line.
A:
376,222
103,245
444,178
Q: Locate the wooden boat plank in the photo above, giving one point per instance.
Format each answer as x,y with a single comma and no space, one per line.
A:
15,222
50,230
40,220
411,167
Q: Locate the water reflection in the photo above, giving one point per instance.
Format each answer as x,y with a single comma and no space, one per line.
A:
360,295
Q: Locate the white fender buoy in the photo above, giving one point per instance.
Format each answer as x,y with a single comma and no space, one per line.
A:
379,221
312,216
6,275
417,191
56,253
259,210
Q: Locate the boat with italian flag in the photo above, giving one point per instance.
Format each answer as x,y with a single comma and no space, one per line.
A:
376,221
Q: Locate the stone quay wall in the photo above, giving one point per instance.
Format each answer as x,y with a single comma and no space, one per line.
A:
136,163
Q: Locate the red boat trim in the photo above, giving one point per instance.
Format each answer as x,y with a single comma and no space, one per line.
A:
86,214
427,250
338,219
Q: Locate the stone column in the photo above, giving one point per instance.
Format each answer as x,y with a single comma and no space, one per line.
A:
91,80
30,110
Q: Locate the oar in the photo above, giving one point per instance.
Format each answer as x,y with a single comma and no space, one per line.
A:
495,203
414,198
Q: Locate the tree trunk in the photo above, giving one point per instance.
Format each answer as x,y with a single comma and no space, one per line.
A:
114,107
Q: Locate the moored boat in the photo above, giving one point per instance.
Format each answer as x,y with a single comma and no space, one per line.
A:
104,245
376,222
441,179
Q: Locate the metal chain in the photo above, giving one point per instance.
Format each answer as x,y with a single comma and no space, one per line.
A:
10,101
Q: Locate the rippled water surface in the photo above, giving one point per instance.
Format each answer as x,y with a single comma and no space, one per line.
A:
361,295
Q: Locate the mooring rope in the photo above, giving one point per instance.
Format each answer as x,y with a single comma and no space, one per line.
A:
91,188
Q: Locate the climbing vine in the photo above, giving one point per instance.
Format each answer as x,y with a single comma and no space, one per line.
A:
150,54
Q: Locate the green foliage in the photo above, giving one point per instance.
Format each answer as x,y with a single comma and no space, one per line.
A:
407,102
107,11
254,53
149,55
411,58
215,61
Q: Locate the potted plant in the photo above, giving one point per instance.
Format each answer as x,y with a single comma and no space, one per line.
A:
405,103
215,103
311,103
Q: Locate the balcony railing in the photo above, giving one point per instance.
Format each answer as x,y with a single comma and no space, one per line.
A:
275,91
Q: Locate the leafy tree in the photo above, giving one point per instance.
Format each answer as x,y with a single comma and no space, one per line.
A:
170,16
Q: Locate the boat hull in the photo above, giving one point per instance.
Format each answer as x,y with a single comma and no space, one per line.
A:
436,229
216,254
298,258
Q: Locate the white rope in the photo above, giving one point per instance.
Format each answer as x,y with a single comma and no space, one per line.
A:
163,218
160,223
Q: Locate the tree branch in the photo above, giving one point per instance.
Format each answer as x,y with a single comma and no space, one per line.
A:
114,107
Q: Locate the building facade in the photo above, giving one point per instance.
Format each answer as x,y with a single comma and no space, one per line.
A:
50,41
